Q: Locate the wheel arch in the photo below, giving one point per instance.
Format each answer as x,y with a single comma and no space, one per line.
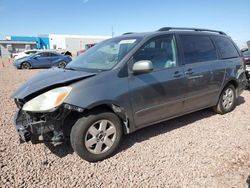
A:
26,62
232,82
110,107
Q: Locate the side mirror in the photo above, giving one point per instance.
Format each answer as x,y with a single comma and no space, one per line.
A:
142,66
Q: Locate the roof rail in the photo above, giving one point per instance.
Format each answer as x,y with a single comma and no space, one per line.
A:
128,33
192,29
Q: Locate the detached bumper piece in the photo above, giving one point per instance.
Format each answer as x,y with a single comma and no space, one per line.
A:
40,127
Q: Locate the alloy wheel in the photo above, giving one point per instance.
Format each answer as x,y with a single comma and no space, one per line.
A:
228,98
25,65
61,64
100,136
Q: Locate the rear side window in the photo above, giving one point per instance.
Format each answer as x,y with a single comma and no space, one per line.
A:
226,47
197,48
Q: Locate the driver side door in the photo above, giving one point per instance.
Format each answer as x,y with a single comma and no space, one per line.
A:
43,59
159,94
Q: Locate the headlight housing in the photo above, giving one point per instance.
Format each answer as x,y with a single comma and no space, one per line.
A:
48,101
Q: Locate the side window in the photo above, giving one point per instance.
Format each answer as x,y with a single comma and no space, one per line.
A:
226,47
53,55
45,54
197,48
150,45
160,51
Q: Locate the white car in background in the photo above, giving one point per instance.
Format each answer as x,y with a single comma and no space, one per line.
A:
23,54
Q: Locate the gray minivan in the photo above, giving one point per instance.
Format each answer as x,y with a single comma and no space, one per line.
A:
129,82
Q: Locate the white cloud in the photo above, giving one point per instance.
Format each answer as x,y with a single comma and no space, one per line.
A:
85,1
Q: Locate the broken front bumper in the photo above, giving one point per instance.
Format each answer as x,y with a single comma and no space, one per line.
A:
40,127
31,127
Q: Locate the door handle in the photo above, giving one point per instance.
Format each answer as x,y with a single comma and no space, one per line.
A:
177,74
189,71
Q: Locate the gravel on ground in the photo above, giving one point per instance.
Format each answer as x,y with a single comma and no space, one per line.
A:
202,149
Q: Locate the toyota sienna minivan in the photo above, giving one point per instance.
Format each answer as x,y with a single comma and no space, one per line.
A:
129,82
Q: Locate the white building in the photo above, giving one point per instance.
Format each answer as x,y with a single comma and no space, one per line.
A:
73,43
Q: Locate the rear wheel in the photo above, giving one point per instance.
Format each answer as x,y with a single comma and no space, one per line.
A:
96,136
25,65
227,100
62,64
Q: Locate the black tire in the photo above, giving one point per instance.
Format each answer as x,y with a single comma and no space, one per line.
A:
220,108
25,65
62,64
79,133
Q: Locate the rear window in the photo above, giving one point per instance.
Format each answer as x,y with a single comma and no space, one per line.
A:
226,47
198,48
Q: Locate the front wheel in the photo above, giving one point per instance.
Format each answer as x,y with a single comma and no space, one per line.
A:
25,65
226,101
62,64
96,136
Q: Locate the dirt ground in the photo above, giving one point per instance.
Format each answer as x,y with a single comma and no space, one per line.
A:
202,149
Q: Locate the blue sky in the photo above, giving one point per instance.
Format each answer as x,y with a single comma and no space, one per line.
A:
96,17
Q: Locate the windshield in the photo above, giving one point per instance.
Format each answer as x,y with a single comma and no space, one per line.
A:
103,56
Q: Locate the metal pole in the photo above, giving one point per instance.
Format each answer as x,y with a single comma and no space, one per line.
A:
112,32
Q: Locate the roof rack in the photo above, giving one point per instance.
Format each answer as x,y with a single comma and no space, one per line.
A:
192,29
128,33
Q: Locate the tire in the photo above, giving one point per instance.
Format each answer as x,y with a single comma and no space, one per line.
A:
88,146
226,101
62,64
25,65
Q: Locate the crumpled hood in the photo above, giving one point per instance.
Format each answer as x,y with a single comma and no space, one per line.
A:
48,79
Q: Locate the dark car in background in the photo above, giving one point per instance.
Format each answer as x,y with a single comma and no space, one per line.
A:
246,55
129,82
42,60
67,53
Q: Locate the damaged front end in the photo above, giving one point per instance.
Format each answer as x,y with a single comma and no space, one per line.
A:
42,127
39,127
42,110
